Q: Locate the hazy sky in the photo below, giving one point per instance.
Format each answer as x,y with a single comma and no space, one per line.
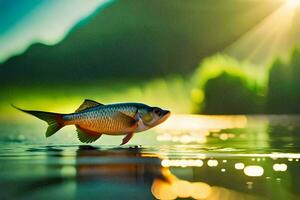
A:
25,22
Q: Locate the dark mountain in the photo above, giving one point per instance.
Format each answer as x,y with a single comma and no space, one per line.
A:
134,38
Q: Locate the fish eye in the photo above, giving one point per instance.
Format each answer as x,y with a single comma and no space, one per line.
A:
156,111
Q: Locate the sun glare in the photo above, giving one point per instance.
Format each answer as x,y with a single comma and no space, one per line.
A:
273,36
293,3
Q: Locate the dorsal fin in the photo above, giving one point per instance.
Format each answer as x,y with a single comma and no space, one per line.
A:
88,104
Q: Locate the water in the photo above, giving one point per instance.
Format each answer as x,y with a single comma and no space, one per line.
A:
201,157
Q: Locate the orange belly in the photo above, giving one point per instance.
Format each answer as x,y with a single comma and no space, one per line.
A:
107,126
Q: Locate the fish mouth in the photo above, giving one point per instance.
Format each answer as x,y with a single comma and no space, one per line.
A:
165,116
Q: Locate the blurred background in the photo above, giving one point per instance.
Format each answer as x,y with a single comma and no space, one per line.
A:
235,64
208,56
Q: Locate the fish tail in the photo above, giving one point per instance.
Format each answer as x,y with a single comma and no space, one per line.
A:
54,120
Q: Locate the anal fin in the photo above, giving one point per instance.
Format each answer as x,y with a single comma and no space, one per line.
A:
87,136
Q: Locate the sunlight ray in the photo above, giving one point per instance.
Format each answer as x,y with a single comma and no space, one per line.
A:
271,37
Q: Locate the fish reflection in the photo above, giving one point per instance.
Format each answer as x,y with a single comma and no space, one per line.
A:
125,173
119,164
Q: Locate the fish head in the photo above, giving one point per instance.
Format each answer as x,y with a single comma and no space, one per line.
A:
152,116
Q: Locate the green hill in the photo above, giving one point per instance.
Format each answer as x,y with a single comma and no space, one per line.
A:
133,38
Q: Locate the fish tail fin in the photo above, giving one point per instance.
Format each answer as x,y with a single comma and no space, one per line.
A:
54,120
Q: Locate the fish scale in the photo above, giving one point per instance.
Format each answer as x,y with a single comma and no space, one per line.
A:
103,119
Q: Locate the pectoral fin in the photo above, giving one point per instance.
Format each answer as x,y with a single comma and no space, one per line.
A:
87,136
130,121
126,138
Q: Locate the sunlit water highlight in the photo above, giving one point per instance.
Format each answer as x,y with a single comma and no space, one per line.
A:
238,157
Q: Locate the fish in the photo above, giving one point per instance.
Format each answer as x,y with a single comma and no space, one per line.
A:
93,119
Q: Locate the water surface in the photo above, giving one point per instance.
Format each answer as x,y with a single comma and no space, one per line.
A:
193,157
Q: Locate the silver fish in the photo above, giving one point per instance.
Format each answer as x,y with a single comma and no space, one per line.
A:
92,119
